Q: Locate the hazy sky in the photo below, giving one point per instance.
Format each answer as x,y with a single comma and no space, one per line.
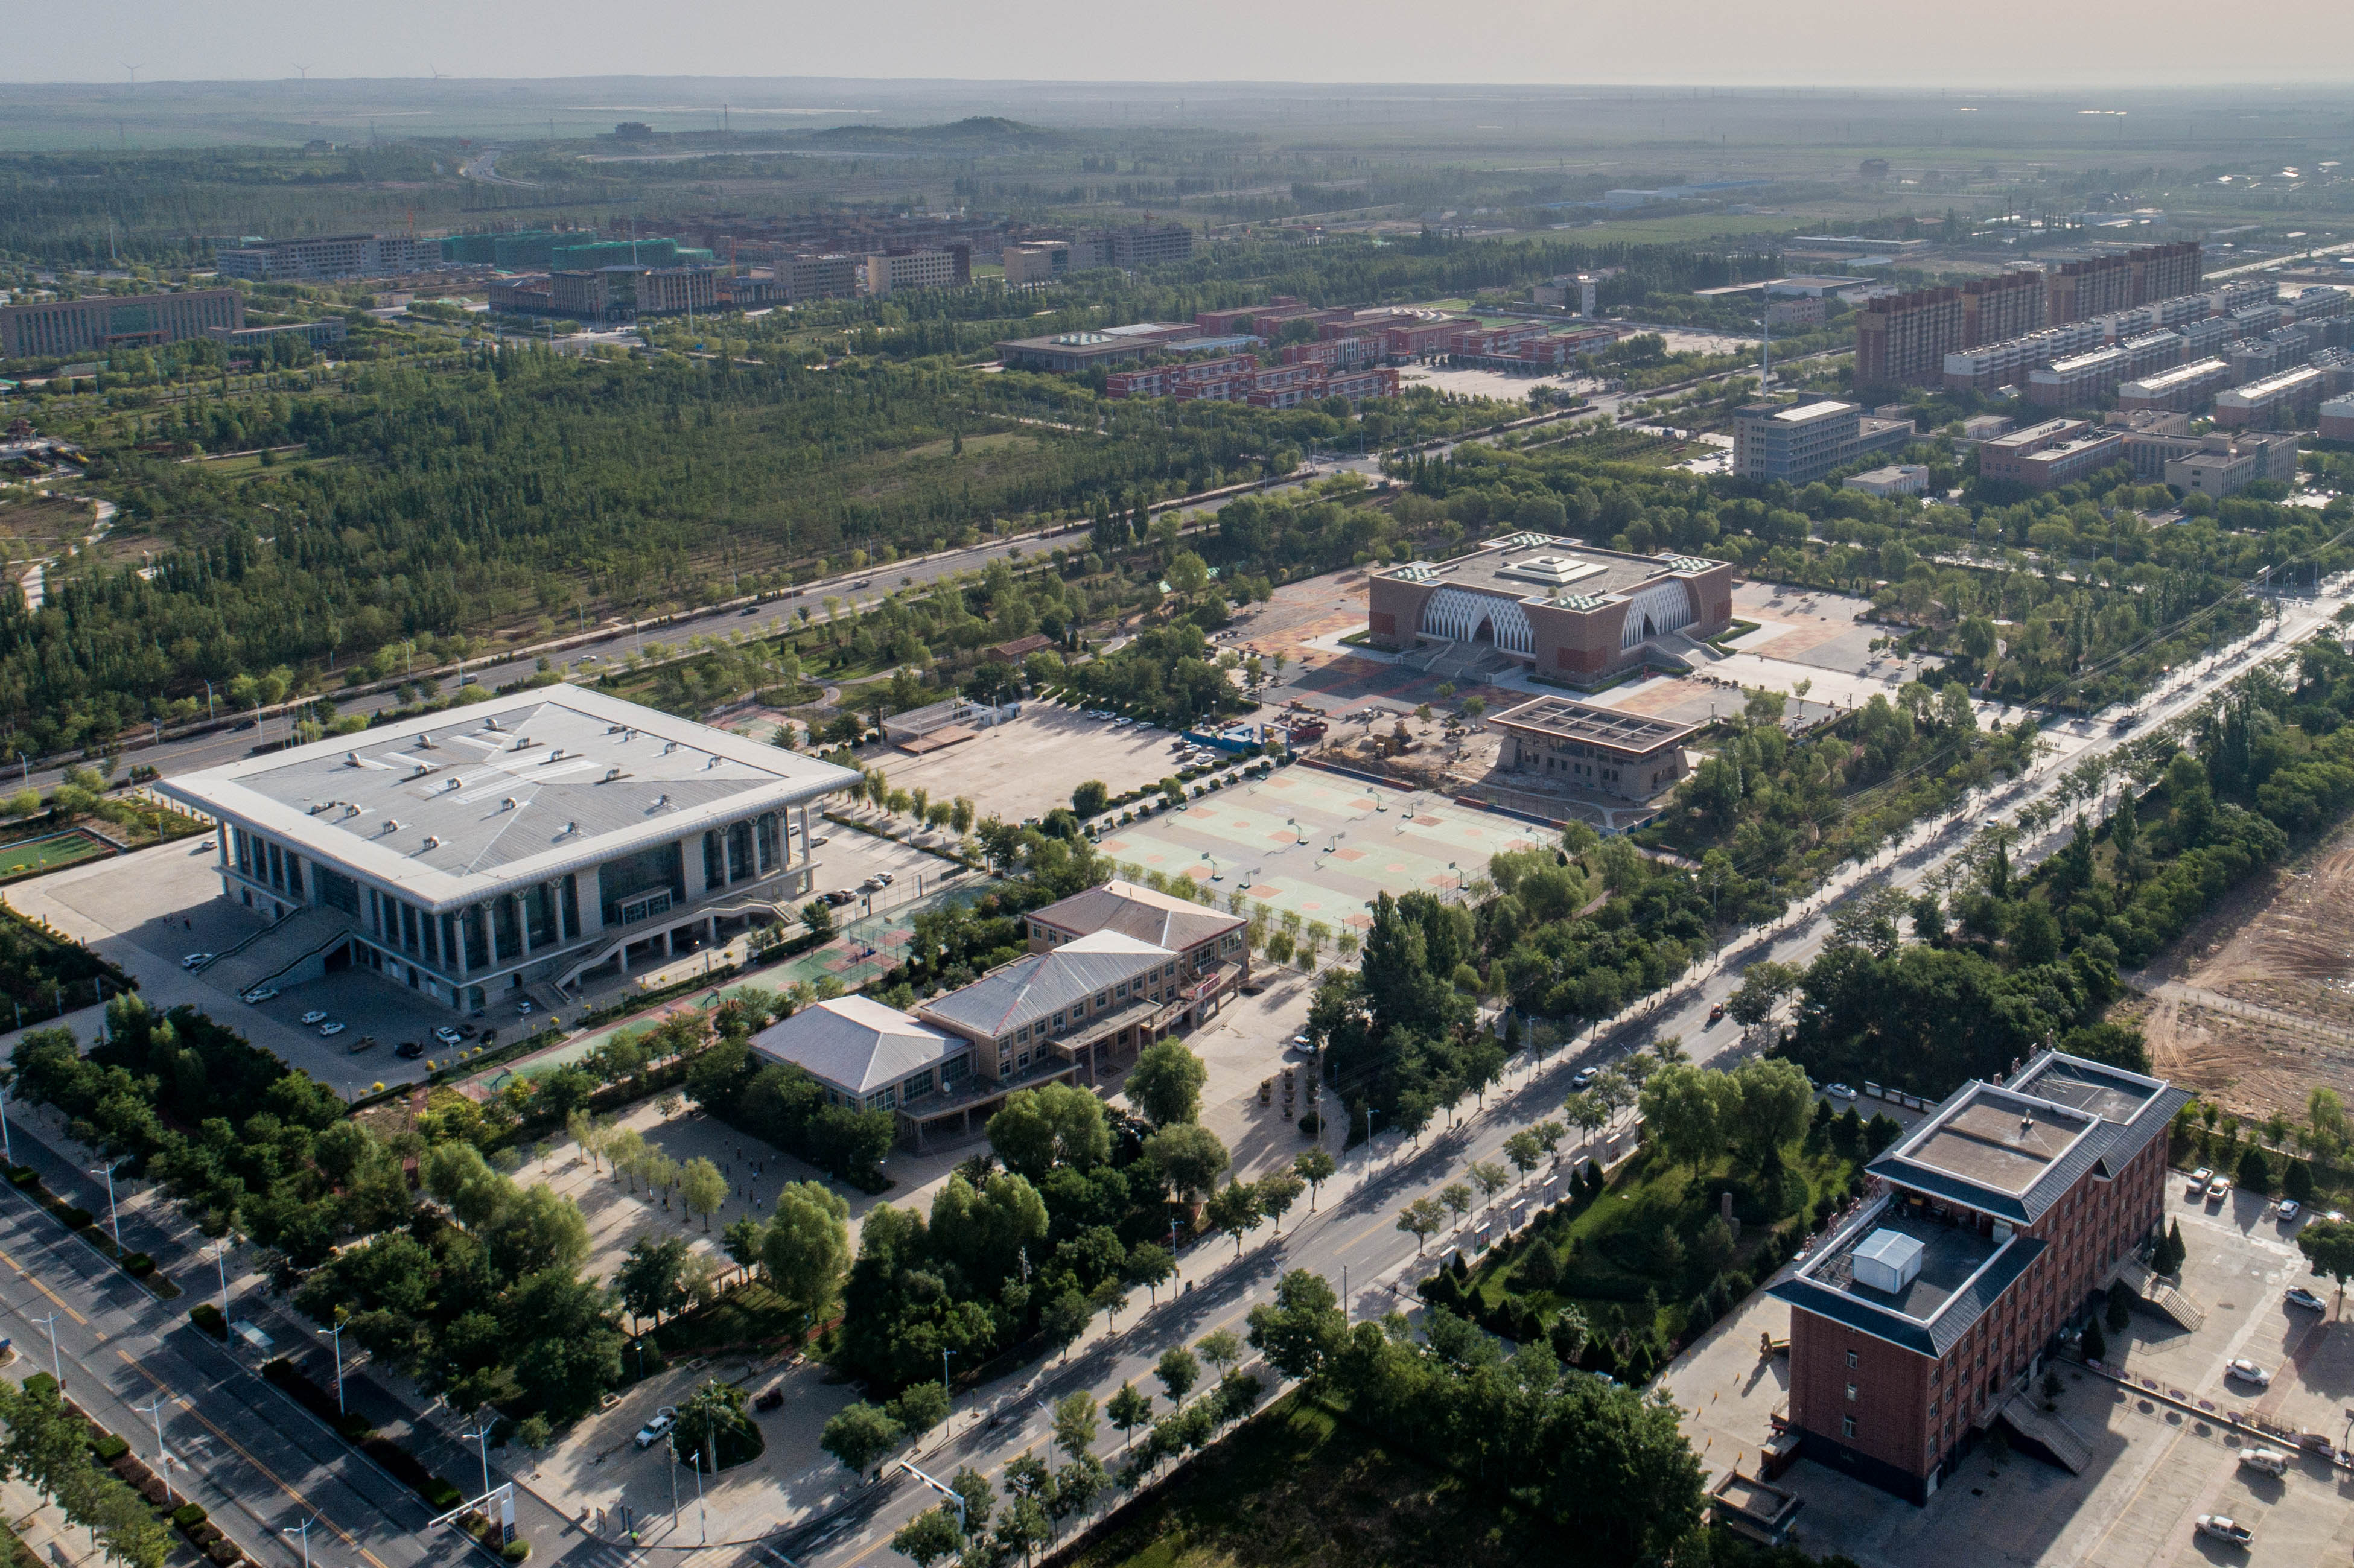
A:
1989,43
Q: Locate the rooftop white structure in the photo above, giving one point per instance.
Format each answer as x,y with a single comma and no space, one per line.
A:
528,838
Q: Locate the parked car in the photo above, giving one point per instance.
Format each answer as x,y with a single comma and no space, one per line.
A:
1840,1092
2222,1527
872,885
2219,1189
885,877
2298,1296
840,896
524,1006
820,841
260,994
2246,1370
651,1432
316,1015
2199,1180
328,1031
468,1031
365,1042
771,1397
2288,1211
195,960
449,1037
409,1050
2270,1461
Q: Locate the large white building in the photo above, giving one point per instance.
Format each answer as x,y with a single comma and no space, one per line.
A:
534,837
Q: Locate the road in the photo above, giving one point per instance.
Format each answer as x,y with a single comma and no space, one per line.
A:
1355,1229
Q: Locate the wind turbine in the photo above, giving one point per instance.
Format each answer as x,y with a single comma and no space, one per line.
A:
133,70
306,79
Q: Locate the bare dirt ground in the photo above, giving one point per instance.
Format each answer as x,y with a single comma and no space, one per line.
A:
2255,1005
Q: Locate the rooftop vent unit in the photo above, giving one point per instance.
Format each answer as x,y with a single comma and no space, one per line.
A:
432,842
571,828
508,804
424,741
611,774
669,747
711,761
1887,1260
391,825
351,760
453,784
350,809
556,754
660,801
490,724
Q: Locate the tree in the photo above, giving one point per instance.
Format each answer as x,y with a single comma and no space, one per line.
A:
1150,1265
2328,1247
1054,1123
921,1406
648,1278
1234,1209
1092,798
930,1536
1278,1190
1424,1219
1178,1372
1763,987
1522,1150
1586,1111
1128,1410
1315,1167
1491,1178
1188,1157
1303,1328
2119,1312
859,1436
817,918
741,1242
1455,1198
702,1189
1222,1349
805,1249
1165,1085
1075,1424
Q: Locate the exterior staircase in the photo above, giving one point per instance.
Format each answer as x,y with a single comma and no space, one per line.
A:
2044,1435
292,950
2165,1298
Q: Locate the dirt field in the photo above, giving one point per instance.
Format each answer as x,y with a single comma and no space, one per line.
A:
2256,1006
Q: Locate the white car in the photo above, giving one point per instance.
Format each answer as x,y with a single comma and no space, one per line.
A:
316,1015
260,994
651,1432
2247,1371
195,960
1585,1075
1838,1091
2289,1210
2219,1189
524,1006
449,1037
2199,1180
329,1031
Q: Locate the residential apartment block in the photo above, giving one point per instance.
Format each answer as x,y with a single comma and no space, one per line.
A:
2183,390
102,323
2010,305
1999,1218
1903,340
2338,419
2286,400
949,267
2079,289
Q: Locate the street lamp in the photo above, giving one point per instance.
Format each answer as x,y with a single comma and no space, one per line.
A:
220,1256
50,1323
162,1455
336,1331
303,1530
7,1148
113,1215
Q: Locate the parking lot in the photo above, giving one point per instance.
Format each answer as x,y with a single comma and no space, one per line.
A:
2163,1452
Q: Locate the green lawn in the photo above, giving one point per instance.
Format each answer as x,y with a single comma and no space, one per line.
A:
1611,1249
46,854
750,1314
1295,1486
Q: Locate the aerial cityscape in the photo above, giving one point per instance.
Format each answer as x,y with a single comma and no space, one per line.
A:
1286,794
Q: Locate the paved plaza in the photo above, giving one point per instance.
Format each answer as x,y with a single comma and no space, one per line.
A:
1322,843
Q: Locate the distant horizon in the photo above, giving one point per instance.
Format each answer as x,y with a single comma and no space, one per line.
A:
1877,85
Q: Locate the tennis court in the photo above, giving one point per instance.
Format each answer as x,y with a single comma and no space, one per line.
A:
1322,843
35,855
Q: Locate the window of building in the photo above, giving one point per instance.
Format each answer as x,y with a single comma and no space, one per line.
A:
1851,1394
917,1087
1850,1358
1847,1426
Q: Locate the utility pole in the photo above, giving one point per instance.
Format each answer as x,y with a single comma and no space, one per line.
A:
303,1530
162,1455
337,1332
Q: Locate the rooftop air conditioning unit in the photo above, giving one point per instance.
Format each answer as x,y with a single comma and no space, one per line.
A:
391,825
351,760
508,804
611,774
1887,1260
432,842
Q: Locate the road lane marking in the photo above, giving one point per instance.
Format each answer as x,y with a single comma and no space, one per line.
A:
35,1281
340,1532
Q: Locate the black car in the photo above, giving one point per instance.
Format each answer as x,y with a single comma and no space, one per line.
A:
409,1049
769,1397
840,896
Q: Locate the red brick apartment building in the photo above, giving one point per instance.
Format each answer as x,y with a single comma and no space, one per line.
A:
1998,1219
2081,289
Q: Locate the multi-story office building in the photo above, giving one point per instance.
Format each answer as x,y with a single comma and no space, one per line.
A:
532,839
2049,455
1632,757
1903,340
2282,400
324,334
104,323
1896,478
808,277
1798,443
1552,605
1148,244
328,256
1040,262
2226,462
1993,308
949,267
1999,1217
2338,419
2183,390
605,295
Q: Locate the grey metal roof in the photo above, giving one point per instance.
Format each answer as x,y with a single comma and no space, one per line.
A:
1528,567
856,1045
1042,984
449,808
1140,911
2120,1112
